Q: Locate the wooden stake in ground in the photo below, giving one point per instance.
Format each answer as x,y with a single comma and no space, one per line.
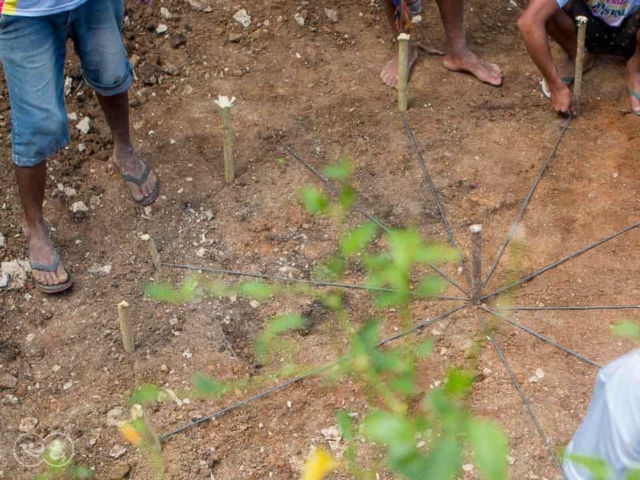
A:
403,71
577,87
155,256
227,136
476,258
125,327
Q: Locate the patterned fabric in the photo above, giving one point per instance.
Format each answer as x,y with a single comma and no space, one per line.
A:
414,6
37,8
612,12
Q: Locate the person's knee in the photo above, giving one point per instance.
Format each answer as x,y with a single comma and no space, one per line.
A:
110,78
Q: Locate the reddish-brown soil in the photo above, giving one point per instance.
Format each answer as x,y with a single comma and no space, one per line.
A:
315,89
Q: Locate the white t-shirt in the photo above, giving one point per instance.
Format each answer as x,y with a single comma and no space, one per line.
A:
612,12
611,429
37,8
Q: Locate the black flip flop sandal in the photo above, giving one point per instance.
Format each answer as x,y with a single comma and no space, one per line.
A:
139,181
52,268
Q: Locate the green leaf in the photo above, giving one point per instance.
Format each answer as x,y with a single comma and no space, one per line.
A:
145,394
424,349
281,160
82,473
489,445
405,385
627,329
444,461
431,285
333,300
275,327
597,467
332,268
257,290
344,422
392,430
459,382
162,292
314,200
357,240
347,197
341,170
207,386
633,475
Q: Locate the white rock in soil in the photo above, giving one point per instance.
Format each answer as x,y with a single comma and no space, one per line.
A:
254,304
8,381
68,85
332,15
10,400
56,368
2,241
115,417
84,125
28,424
299,18
67,386
486,371
540,373
242,17
201,252
199,5
117,451
79,207
162,28
467,467
443,351
534,379
72,117
81,147
511,460
4,280
70,192
17,271
332,435
165,13
187,354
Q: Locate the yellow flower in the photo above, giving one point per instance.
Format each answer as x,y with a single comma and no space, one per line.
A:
130,433
318,465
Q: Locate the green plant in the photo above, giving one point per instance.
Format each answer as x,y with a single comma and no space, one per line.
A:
423,434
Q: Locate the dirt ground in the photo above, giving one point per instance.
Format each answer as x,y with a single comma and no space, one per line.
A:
315,89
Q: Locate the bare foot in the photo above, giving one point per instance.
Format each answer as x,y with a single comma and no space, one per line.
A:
128,163
467,61
633,83
389,73
42,251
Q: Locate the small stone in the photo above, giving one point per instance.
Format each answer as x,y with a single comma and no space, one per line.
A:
299,18
177,40
254,304
28,424
486,372
145,237
115,417
540,373
242,17
72,117
8,381
70,192
201,252
10,400
56,368
332,15
165,13
199,5
332,435
170,69
443,351
2,241
467,467
94,436
84,125
81,147
118,471
162,28
208,215
164,368
67,386
534,379
289,404
511,460
117,451
68,85
147,210
187,354
79,208
4,280
235,37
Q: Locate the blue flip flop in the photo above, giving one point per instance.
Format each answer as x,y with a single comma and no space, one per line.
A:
51,268
635,94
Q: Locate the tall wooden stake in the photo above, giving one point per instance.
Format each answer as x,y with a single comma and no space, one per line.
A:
227,132
125,327
577,87
403,71
476,258
155,256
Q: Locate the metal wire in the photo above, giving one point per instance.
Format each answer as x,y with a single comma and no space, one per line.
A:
361,210
525,400
542,337
312,373
526,201
436,196
561,261
301,280
573,307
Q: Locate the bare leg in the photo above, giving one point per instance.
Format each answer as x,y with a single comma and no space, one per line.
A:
633,77
389,74
562,28
116,111
31,184
458,57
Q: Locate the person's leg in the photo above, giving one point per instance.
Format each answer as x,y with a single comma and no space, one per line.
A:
389,74
458,57
32,51
98,42
562,29
633,74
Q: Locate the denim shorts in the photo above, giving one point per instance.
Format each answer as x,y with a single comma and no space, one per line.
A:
32,52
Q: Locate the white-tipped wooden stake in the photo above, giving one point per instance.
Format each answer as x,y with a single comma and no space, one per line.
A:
476,258
227,136
155,256
403,71
577,87
125,327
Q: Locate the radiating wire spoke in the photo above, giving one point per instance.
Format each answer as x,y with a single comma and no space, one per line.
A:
542,337
525,400
568,307
436,196
525,203
316,283
561,261
362,211
300,378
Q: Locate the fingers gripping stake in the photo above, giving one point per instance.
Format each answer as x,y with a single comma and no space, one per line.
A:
227,136
403,71
577,88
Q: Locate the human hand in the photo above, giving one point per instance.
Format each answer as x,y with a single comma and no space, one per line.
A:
562,100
